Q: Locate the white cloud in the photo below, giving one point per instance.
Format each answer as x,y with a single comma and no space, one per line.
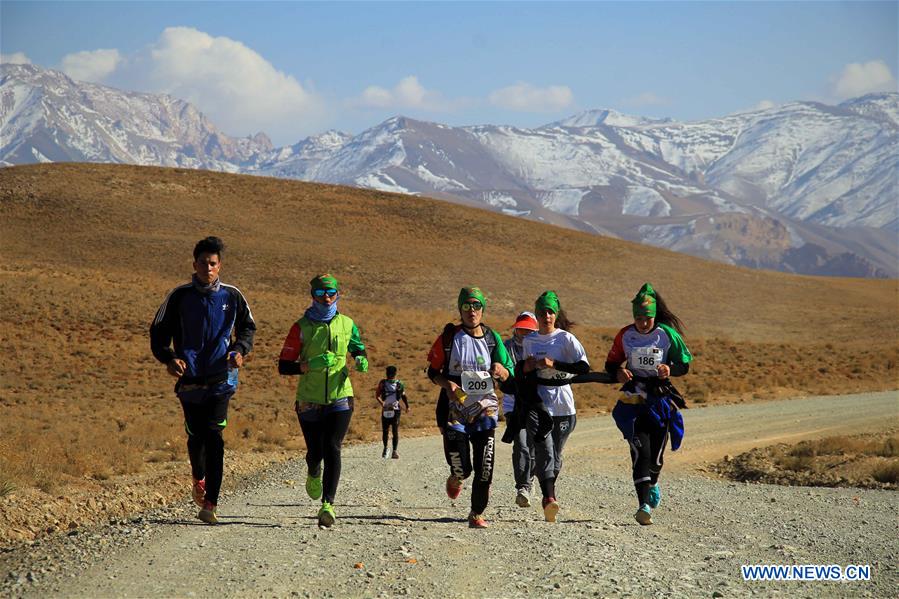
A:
858,79
524,97
764,105
408,93
93,65
647,99
238,89
14,58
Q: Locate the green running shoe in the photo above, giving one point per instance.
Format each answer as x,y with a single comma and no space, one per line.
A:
655,496
644,515
326,516
314,486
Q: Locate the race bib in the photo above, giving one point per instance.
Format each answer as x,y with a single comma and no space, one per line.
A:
477,382
553,374
388,413
647,359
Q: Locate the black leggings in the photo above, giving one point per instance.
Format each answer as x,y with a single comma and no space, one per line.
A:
324,438
459,457
204,421
647,455
391,423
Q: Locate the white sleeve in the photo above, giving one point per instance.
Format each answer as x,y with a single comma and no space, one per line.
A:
575,351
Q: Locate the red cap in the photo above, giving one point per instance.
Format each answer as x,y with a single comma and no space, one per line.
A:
526,320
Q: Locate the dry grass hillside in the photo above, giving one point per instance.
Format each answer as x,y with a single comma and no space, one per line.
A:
88,252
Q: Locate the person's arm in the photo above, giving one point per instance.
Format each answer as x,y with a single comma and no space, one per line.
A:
244,324
436,360
616,360
379,393
403,396
678,358
289,362
355,346
163,330
579,367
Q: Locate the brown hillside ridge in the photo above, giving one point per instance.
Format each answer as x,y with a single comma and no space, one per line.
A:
89,252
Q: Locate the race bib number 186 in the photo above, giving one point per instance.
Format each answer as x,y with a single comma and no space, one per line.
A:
645,358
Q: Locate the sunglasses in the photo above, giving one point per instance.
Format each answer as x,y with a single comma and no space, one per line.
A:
472,306
324,292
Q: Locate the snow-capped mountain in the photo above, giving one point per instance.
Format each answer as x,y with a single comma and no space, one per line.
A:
47,117
803,187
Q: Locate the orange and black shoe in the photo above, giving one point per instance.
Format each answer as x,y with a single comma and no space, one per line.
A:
199,491
453,486
477,521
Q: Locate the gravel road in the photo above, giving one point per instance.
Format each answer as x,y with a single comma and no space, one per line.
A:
398,534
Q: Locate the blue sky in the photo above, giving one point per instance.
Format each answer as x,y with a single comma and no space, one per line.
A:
293,68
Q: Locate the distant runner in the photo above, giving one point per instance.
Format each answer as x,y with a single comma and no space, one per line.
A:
554,353
466,361
199,319
389,393
316,349
643,356
522,452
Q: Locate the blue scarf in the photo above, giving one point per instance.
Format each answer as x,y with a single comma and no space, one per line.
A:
321,312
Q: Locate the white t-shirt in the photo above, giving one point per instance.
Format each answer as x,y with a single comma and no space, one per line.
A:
562,346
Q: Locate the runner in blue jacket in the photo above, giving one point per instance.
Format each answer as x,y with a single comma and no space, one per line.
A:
201,332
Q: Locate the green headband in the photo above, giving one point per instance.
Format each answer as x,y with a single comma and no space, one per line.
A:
325,281
644,303
471,293
547,301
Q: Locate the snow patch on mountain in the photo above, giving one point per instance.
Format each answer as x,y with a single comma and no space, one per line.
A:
643,201
563,201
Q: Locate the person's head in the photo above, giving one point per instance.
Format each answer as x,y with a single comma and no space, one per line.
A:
649,308
550,315
525,324
325,289
391,372
208,259
472,303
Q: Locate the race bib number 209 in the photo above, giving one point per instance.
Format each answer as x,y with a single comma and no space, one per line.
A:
477,382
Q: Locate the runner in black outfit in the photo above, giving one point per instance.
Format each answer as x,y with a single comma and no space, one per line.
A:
198,319
389,393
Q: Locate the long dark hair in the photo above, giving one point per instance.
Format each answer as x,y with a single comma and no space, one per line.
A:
562,321
665,316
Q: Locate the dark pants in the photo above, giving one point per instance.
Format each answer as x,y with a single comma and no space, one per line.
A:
460,448
523,457
205,417
324,434
647,455
391,423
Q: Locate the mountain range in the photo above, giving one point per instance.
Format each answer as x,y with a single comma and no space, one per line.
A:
804,187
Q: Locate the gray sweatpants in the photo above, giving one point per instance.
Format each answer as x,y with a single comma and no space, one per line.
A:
548,452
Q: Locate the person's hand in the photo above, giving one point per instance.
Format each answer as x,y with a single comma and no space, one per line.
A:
530,364
452,388
545,362
498,371
322,361
624,375
407,409
176,367
361,364
664,371
235,359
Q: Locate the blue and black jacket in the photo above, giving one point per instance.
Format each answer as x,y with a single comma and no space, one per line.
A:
199,325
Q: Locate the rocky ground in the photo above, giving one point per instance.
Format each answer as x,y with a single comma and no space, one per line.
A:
398,534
